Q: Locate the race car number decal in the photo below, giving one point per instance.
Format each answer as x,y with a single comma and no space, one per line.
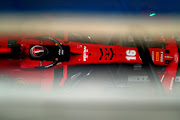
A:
131,55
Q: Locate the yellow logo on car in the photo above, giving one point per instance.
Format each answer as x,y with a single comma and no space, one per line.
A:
157,56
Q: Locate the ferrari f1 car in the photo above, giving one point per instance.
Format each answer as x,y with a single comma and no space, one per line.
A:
34,58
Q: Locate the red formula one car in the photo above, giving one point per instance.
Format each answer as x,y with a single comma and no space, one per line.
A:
34,58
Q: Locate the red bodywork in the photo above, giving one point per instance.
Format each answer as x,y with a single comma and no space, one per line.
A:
83,53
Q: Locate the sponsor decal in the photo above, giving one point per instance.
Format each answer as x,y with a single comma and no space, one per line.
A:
106,54
161,59
85,56
176,58
153,56
79,46
157,56
59,52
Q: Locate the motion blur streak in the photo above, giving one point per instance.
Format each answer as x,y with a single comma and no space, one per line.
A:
19,105
120,24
